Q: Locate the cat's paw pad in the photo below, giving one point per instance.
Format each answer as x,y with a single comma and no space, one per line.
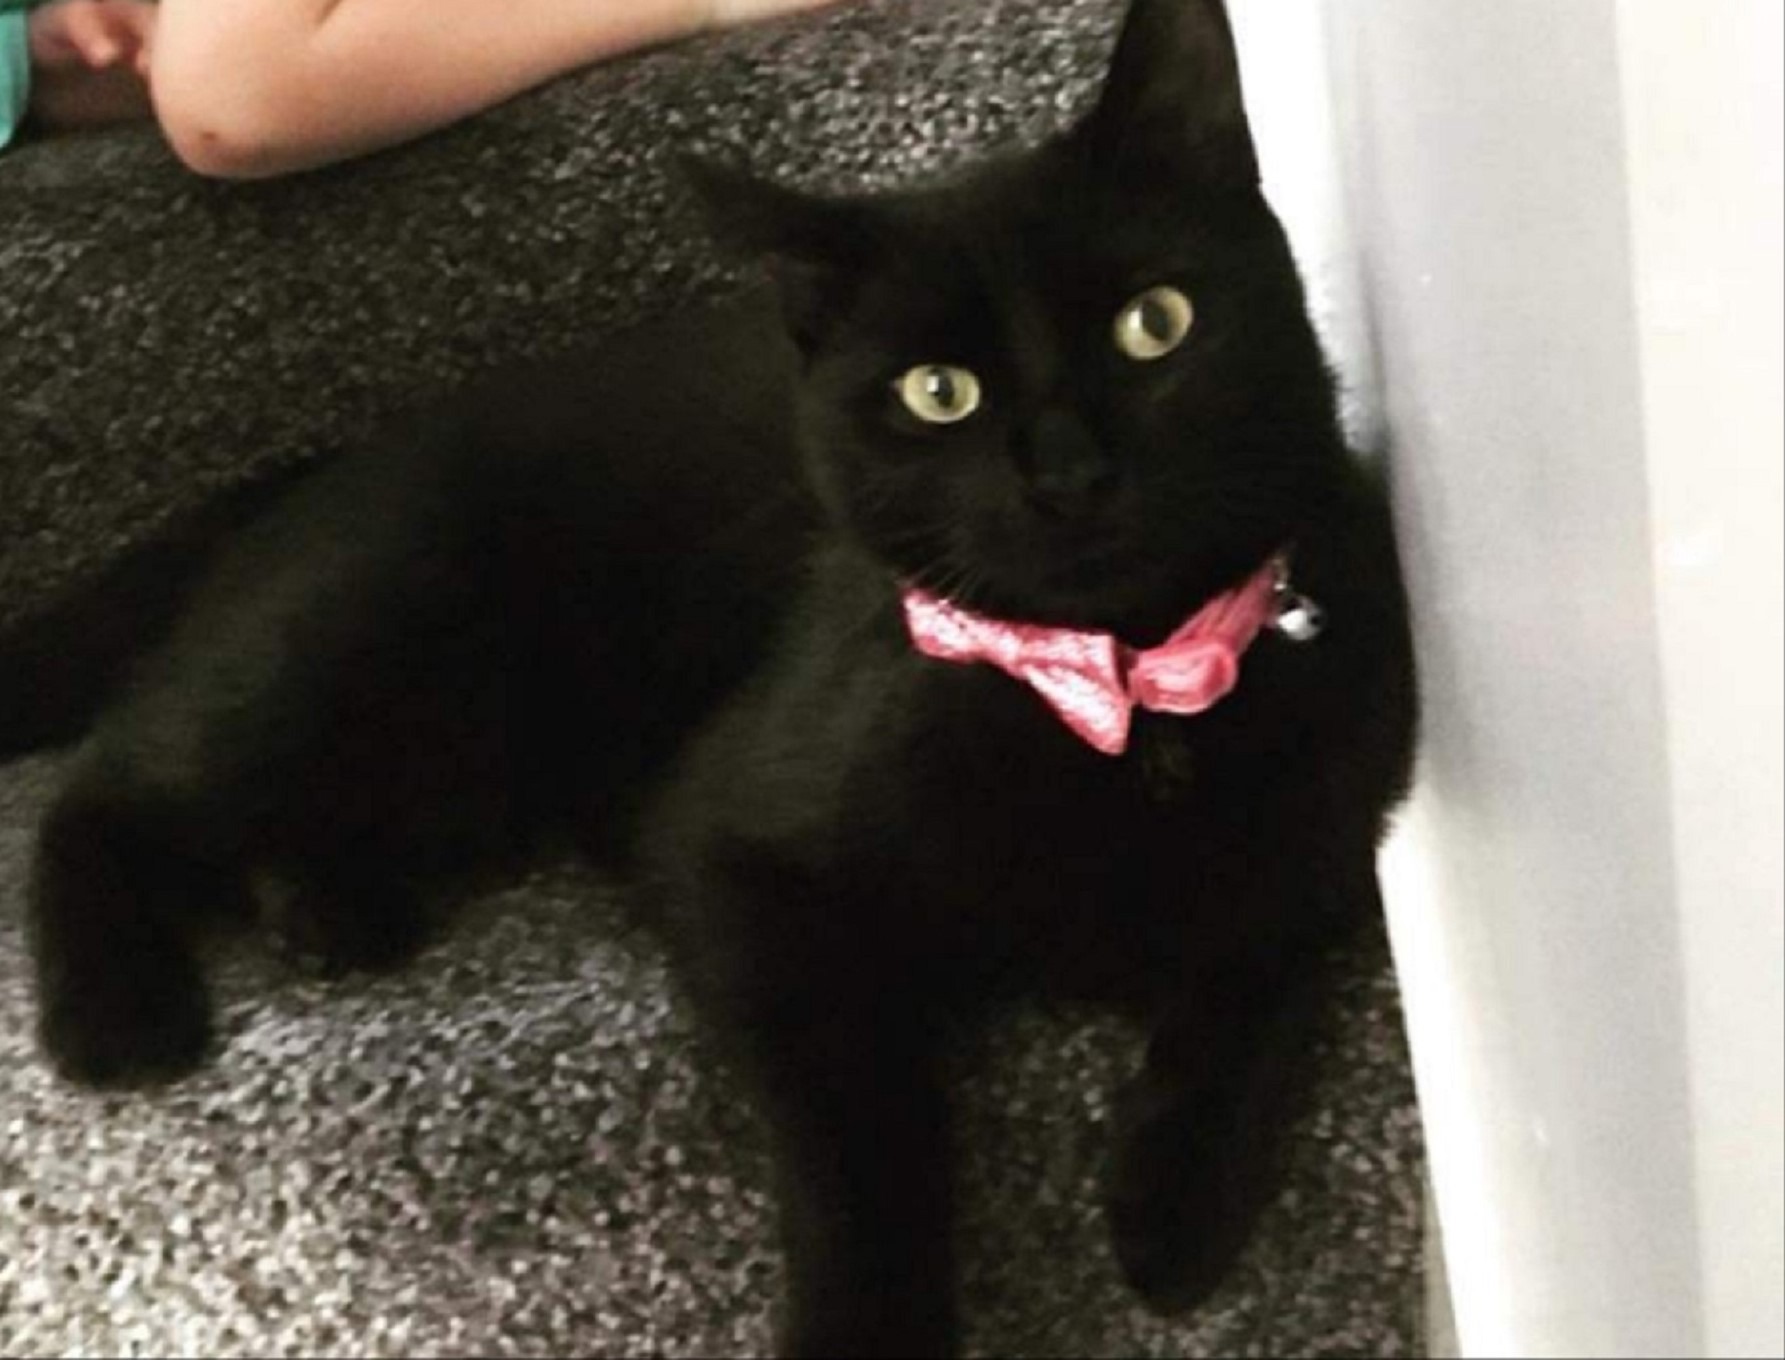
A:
133,1023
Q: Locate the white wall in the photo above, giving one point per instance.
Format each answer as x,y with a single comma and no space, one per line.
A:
1285,62
1705,146
1566,222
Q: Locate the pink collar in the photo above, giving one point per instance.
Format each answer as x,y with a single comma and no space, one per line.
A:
1092,680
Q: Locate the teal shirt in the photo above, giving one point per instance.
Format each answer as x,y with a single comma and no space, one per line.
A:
15,67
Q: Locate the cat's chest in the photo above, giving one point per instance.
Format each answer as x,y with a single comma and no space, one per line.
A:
1004,798
1090,871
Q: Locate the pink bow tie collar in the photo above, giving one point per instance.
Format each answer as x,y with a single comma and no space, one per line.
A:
1093,681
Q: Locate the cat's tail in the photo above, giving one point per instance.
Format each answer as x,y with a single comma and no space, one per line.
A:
60,664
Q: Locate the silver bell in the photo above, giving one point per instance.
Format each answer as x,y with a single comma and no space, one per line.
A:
1298,618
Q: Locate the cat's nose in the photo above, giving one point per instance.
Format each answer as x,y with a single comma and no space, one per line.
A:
1067,472
1072,493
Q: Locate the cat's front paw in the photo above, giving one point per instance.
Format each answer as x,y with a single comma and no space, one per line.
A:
124,1021
1168,1259
1179,1212
842,1321
836,1338
120,998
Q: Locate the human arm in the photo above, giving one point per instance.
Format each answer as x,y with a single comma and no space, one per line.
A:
252,88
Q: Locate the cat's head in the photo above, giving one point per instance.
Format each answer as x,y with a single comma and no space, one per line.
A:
1078,386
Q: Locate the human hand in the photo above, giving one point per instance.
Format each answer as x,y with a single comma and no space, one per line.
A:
92,34
90,61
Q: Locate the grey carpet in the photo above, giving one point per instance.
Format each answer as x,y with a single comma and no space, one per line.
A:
515,1147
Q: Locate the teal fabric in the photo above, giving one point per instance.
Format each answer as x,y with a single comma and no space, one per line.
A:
15,67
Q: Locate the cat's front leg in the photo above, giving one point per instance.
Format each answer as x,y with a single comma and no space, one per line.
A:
849,1080
1199,1130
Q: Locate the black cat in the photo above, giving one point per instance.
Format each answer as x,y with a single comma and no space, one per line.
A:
930,731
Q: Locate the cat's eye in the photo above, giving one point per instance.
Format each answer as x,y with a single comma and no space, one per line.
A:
1154,324
939,394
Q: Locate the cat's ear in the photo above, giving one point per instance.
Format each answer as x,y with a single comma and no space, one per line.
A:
815,248
1172,103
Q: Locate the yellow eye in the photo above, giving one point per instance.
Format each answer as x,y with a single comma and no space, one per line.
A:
939,394
1154,324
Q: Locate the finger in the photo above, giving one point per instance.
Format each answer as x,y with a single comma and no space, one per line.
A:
89,32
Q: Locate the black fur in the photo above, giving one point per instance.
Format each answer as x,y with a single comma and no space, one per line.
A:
608,579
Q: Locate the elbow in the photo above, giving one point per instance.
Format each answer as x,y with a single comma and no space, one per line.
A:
233,135
220,147
217,153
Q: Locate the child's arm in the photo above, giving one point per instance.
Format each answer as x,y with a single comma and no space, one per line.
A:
248,88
